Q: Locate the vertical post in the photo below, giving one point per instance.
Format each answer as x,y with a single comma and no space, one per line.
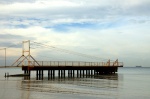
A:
24,71
73,73
59,73
29,53
24,51
29,73
5,57
83,73
53,74
42,74
37,74
80,73
5,75
64,73
68,73
86,73
77,73
48,74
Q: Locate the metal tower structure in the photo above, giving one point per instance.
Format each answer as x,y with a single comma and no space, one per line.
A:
26,56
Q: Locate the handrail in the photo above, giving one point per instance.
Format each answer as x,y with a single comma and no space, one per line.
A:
71,63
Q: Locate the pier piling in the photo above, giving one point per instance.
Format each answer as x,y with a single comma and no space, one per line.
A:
72,70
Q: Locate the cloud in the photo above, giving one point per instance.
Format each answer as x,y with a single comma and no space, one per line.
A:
71,9
49,13
12,40
10,36
15,1
109,29
71,13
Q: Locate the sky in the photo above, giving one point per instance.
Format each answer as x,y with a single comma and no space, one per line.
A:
108,29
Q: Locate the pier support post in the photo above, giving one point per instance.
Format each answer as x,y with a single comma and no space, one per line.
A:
94,72
80,73
73,73
53,74
91,72
27,73
87,73
5,75
48,74
64,73
37,74
42,74
59,73
77,73
70,73
83,73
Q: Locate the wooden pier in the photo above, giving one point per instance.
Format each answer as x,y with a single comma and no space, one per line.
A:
62,69
71,69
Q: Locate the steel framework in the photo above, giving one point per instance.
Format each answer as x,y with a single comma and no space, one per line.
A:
26,55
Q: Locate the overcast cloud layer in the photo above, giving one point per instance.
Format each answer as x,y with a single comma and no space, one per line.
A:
105,28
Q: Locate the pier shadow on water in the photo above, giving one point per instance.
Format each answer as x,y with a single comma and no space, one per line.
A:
108,77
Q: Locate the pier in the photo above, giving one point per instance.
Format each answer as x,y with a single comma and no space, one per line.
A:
71,69
63,69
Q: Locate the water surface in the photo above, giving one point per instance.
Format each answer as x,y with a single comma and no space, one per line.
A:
128,83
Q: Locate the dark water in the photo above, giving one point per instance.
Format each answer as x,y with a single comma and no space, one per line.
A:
129,83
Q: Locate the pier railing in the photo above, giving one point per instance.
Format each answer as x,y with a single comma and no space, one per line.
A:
69,63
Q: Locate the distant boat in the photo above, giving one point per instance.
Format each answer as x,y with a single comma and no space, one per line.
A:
138,66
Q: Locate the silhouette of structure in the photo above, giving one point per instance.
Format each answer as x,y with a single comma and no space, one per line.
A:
28,64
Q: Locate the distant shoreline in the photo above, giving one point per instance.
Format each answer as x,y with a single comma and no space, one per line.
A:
138,66
9,66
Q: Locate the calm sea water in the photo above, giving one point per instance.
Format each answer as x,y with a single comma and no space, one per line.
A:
129,83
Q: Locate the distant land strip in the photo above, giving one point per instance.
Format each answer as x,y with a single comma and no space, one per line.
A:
9,66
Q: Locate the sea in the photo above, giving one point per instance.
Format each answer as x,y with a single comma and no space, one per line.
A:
128,83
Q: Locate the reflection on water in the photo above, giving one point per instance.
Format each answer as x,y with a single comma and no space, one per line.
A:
109,77
104,85
130,83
